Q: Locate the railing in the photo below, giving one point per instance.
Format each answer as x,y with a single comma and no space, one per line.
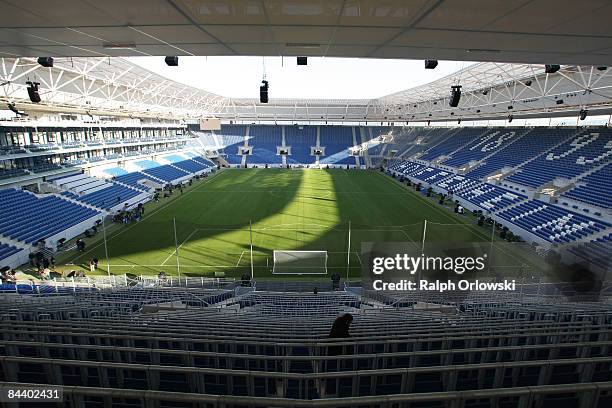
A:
588,393
183,281
74,284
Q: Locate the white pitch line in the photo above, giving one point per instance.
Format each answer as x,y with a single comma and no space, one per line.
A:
199,266
174,252
240,259
146,217
410,239
359,258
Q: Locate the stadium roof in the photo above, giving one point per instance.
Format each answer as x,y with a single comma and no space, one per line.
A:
524,31
116,86
103,85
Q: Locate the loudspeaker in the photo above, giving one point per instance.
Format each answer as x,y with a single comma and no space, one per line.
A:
431,64
16,111
559,101
172,61
302,60
33,91
552,68
46,62
455,95
263,92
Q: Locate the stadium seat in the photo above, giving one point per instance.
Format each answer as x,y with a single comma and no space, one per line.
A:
265,140
28,218
582,152
337,140
301,139
595,188
553,223
230,138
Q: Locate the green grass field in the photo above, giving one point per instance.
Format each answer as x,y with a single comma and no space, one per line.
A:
288,209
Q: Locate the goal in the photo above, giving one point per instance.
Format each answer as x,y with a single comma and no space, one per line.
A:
300,263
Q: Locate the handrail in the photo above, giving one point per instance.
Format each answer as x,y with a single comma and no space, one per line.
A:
379,400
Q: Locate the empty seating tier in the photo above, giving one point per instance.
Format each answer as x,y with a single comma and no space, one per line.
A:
25,217
301,139
536,140
596,252
487,144
7,250
552,223
109,347
486,196
190,166
166,173
231,137
112,195
265,140
132,179
454,142
337,141
595,189
588,149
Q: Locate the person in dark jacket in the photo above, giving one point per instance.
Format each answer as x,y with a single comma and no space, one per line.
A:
335,278
341,326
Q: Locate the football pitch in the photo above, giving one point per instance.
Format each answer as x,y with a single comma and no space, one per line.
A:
219,219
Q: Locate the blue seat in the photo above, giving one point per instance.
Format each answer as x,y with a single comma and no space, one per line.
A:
28,218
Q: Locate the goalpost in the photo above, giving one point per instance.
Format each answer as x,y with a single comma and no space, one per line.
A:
299,263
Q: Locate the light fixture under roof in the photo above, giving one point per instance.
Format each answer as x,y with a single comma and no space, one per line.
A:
489,50
303,45
119,46
551,68
431,64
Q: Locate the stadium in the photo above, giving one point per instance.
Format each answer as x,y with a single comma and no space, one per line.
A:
306,204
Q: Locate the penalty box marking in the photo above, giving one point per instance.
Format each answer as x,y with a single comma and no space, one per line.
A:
196,266
329,252
179,247
271,228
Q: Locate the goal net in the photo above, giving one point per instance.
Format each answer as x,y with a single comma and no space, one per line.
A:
300,263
